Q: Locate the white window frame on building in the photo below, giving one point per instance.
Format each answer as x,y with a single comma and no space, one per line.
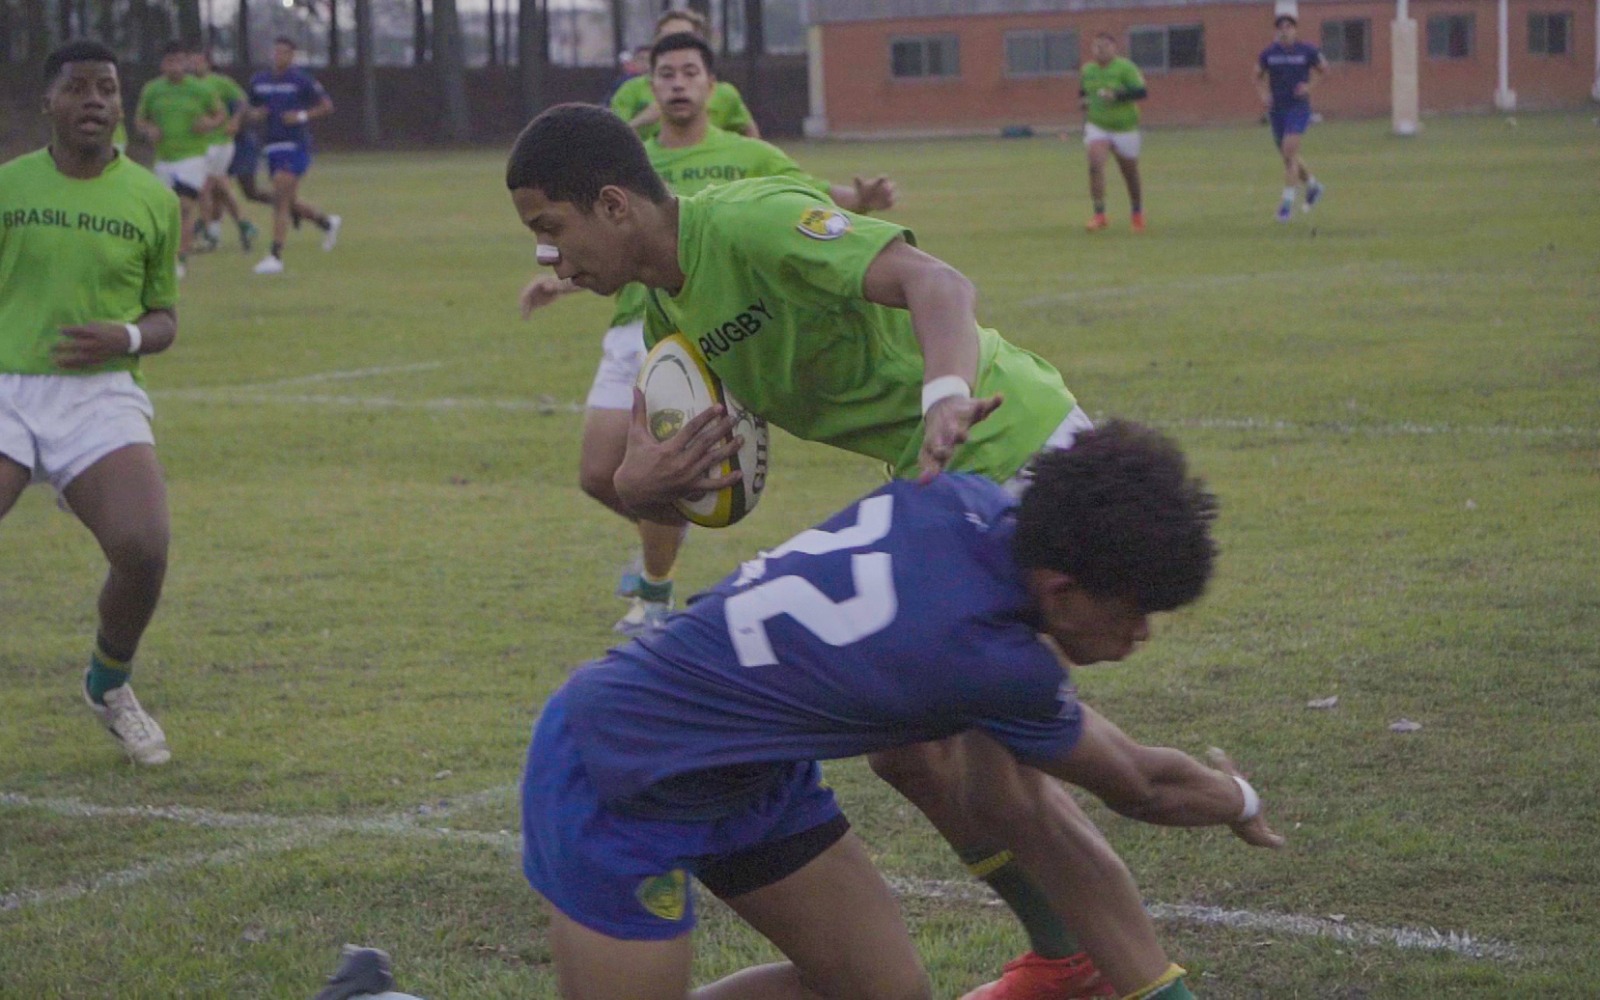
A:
1446,22
1055,53
1340,52
1540,35
950,43
1166,30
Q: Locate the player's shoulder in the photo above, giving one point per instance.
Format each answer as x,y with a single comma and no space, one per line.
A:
26,167
963,502
138,181
727,90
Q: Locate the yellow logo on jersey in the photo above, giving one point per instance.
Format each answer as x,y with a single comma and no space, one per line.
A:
824,223
665,896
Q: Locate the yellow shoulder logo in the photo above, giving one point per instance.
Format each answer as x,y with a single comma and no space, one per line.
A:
824,223
665,896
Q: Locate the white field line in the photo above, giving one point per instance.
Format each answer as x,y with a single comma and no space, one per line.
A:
1204,283
349,374
290,832
543,405
1401,429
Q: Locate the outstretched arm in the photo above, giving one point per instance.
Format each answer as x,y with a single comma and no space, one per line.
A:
1160,785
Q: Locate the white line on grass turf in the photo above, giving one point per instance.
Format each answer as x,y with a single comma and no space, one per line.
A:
292,832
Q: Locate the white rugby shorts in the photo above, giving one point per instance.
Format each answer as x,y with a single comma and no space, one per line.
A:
622,354
190,172
1125,143
59,425
217,159
1059,440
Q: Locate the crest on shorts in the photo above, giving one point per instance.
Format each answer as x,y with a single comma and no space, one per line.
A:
665,896
824,223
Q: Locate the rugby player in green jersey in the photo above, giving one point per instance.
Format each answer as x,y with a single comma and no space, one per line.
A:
690,155
88,245
1108,86
634,101
178,113
836,328
217,196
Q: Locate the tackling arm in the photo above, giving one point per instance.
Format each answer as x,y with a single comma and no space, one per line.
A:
1156,784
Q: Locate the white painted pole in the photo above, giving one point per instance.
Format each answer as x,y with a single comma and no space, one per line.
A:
1594,91
816,124
1403,98
1504,97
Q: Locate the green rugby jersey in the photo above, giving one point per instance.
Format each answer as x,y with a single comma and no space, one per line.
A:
725,108
773,298
1117,75
228,91
718,158
174,108
80,251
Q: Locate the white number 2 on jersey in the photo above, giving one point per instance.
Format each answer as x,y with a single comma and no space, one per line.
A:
837,624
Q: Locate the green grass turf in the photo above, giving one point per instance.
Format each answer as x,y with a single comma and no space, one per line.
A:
377,578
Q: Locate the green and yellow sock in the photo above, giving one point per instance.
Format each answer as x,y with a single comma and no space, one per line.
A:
105,672
654,589
1048,937
1169,987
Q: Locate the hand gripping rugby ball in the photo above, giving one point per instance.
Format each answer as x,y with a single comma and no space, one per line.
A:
677,385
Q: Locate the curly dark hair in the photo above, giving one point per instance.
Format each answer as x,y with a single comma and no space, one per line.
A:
571,151
82,50
1119,513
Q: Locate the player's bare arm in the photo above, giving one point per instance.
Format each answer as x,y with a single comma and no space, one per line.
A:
1157,784
1318,69
865,196
655,473
649,116
321,109
543,290
89,344
943,307
1262,90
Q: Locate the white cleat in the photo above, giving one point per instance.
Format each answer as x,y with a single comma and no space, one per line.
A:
130,725
331,238
643,617
270,265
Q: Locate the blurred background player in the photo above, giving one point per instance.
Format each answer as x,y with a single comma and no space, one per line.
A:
1109,86
178,114
79,304
1285,74
630,64
216,197
690,155
691,752
285,99
635,104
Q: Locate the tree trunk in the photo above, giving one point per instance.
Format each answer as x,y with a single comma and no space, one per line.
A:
334,41
494,35
451,68
241,41
755,46
189,22
366,72
533,54
619,25
7,53
64,20
36,31
419,33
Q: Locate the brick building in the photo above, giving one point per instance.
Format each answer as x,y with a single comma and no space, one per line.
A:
929,66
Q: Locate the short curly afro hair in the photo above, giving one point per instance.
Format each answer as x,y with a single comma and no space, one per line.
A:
1119,513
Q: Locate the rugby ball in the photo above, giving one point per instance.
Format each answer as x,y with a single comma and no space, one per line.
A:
677,385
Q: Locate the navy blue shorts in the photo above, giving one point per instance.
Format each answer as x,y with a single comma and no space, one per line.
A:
246,157
625,876
1289,121
293,159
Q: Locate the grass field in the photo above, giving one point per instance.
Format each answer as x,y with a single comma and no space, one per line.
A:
382,565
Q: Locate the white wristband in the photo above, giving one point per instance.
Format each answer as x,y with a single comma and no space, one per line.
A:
1252,801
135,338
305,116
944,387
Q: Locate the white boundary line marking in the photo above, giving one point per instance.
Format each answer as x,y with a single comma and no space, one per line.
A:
291,832
543,405
348,374
1401,429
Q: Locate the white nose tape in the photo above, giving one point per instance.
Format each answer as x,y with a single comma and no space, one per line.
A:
547,254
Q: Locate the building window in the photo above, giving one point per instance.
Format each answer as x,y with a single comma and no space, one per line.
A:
1450,36
1346,41
925,56
1550,34
1168,47
1041,53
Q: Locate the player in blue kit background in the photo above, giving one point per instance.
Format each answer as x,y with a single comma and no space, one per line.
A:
914,615
1285,73
285,99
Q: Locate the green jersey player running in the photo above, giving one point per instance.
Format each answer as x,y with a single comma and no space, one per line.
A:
835,327
690,155
635,101
88,252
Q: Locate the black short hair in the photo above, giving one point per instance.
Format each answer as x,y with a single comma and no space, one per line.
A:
680,41
571,151
285,40
1108,36
1278,22
176,47
82,50
1119,513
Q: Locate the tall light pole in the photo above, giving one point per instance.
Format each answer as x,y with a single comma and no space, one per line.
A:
1403,100
1504,97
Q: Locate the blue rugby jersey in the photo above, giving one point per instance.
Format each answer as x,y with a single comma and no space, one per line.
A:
292,90
904,618
1287,68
